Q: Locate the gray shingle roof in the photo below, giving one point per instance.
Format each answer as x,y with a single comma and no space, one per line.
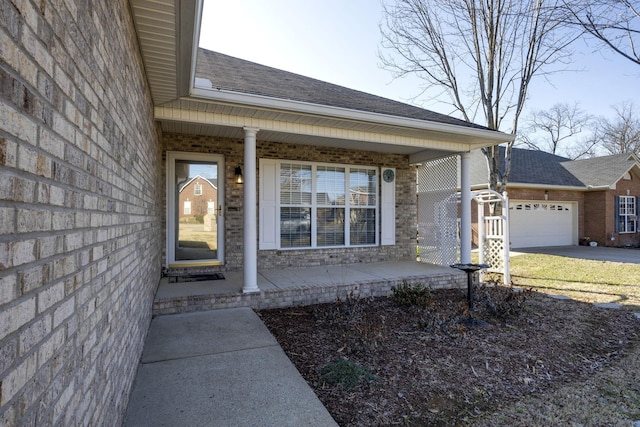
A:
541,168
599,171
238,75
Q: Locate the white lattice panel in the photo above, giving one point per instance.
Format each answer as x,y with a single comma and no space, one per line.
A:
438,241
494,253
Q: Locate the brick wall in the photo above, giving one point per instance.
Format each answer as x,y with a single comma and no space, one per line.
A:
233,151
595,216
604,210
79,219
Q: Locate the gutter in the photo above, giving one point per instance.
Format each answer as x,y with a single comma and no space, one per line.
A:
546,187
601,187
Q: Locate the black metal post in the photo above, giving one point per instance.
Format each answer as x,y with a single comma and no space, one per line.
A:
470,269
470,290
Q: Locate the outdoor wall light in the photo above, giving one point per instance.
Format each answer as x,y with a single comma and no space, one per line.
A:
238,173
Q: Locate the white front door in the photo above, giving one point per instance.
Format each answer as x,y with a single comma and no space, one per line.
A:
195,215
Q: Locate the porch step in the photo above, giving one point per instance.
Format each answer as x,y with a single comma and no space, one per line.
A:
286,296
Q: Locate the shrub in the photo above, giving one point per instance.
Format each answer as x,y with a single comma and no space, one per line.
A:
347,374
503,302
407,295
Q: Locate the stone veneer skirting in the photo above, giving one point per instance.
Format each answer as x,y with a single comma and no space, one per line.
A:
302,295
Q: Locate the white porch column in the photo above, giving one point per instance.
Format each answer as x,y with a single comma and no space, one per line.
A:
250,217
465,201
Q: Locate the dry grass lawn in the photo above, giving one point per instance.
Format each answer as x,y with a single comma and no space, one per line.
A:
580,279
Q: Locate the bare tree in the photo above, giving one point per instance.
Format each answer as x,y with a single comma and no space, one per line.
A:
482,54
616,23
622,133
556,129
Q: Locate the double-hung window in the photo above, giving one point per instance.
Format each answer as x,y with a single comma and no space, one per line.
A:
627,218
326,205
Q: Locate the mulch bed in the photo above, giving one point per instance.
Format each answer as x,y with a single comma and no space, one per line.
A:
430,366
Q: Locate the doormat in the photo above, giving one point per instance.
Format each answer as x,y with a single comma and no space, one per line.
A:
196,277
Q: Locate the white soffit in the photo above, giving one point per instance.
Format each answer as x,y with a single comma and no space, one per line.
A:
155,23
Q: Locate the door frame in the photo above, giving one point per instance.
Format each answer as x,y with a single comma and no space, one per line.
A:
171,216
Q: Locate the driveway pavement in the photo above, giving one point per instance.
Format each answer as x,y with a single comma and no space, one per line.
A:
598,253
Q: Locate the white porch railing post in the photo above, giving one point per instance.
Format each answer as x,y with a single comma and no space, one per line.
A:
507,239
481,233
465,216
250,261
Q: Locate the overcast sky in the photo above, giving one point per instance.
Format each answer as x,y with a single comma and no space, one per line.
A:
338,40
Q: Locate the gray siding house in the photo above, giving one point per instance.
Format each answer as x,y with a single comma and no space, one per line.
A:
107,109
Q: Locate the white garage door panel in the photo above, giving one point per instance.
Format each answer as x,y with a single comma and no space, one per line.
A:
541,224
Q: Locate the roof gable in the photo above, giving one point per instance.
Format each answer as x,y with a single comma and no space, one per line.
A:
602,171
198,177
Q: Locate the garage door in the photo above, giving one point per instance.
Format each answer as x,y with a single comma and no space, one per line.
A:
542,224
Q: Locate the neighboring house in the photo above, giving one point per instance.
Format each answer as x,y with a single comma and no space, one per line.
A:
197,198
555,201
102,104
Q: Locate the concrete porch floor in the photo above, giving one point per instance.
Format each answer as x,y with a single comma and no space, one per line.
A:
301,286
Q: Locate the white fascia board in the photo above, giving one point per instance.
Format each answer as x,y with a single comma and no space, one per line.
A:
196,40
483,137
188,20
540,187
545,186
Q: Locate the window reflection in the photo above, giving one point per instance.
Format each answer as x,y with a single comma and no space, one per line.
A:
196,185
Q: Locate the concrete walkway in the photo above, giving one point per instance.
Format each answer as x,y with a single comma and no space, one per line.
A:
219,368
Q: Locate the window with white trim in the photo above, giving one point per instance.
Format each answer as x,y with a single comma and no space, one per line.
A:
187,207
197,189
326,205
627,214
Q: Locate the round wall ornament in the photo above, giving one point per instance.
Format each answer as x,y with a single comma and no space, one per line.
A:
388,175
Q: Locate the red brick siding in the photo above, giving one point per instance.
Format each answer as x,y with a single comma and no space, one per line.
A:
623,188
198,202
